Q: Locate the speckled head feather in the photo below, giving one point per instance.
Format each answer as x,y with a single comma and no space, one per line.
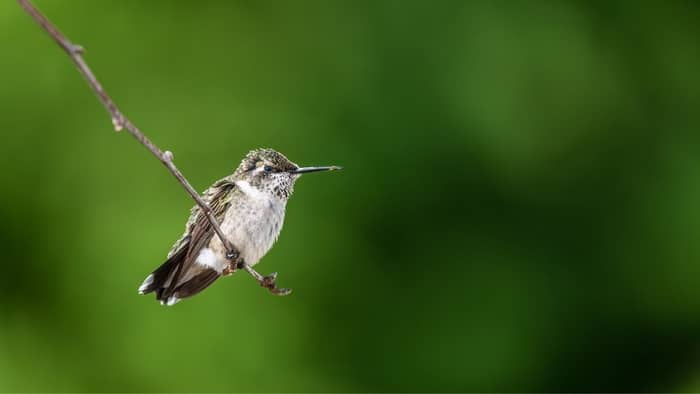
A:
264,156
268,171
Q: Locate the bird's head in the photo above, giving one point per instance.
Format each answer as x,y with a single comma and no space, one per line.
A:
270,171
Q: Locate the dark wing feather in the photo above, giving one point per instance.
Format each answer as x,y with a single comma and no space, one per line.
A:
200,233
198,283
159,277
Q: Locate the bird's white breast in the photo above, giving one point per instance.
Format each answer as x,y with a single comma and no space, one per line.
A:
254,223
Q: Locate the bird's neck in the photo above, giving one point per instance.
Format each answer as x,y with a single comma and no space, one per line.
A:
260,192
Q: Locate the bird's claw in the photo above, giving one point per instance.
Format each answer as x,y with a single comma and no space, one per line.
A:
228,270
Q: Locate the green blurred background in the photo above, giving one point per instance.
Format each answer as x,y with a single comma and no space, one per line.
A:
518,209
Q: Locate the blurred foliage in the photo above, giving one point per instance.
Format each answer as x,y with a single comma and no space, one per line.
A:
518,209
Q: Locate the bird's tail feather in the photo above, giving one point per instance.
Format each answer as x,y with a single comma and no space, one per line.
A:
158,279
186,285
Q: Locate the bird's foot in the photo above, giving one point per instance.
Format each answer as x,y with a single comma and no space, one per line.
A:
234,262
232,255
229,270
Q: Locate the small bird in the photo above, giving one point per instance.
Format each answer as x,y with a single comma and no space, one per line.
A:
250,205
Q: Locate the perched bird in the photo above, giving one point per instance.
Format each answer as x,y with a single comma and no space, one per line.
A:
249,205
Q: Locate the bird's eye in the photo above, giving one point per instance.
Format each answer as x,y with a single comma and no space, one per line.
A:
267,168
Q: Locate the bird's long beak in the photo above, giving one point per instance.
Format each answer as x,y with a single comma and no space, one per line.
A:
304,170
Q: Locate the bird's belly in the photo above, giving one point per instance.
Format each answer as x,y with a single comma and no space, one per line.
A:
253,228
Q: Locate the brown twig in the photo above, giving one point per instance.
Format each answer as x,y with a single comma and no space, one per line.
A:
118,119
269,282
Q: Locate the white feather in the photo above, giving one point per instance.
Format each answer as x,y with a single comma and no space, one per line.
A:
250,191
147,282
209,258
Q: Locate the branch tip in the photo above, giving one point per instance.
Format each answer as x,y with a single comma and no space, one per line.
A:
120,121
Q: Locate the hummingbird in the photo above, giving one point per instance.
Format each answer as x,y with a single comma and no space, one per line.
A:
249,205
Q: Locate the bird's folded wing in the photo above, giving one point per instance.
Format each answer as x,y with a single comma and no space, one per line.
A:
200,230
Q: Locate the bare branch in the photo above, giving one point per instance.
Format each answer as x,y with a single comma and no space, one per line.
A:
119,120
269,282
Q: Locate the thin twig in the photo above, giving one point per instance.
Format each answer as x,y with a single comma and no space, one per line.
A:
269,282
118,119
